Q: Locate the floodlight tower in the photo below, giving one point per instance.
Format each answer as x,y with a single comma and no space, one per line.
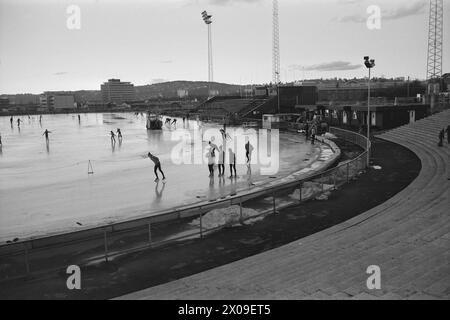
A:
369,63
435,28
207,18
434,58
275,45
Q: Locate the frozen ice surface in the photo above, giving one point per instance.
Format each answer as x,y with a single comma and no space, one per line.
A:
45,189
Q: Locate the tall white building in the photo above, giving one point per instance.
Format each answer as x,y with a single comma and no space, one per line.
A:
117,92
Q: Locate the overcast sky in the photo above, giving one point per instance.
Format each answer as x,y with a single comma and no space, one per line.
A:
158,40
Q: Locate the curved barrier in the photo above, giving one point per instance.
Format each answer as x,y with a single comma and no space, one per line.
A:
106,242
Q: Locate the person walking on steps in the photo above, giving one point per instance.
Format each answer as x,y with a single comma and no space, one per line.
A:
441,137
448,134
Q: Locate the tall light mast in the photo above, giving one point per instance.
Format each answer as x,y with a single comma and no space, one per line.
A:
275,45
207,18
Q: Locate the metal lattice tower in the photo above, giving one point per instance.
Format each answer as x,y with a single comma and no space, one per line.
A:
275,45
435,33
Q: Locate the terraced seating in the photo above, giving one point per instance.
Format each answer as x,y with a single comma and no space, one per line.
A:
408,236
229,106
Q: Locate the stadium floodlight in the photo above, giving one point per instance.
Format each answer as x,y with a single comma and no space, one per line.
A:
207,18
369,63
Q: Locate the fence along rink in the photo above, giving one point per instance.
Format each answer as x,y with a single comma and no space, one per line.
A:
106,242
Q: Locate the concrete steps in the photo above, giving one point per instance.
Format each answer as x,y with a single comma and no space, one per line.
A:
408,236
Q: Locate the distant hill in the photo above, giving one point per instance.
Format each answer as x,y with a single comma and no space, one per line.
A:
166,90
195,89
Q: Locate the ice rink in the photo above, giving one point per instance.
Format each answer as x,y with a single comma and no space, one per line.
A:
46,189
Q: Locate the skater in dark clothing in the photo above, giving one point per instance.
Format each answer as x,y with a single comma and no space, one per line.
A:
157,166
46,132
232,162
11,121
79,119
18,122
221,162
113,138
248,152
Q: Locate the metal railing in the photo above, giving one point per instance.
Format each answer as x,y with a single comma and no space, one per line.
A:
106,242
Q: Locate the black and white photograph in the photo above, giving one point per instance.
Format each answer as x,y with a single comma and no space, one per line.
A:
224,156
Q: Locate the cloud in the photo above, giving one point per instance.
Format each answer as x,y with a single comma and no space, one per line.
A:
327,66
60,73
403,11
159,80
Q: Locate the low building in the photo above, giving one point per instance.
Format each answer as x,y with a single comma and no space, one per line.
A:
382,117
52,101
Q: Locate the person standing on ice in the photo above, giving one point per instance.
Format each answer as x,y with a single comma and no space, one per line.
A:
221,163
232,162
157,166
119,134
46,132
210,155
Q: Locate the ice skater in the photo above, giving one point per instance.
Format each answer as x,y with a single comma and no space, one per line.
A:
18,122
211,161
11,121
113,138
46,132
168,121
79,119
119,134
224,134
232,162
221,162
248,152
157,166
213,148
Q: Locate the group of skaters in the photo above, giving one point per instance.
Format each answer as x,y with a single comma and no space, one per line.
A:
442,136
113,136
19,121
171,122
215,154
211,156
